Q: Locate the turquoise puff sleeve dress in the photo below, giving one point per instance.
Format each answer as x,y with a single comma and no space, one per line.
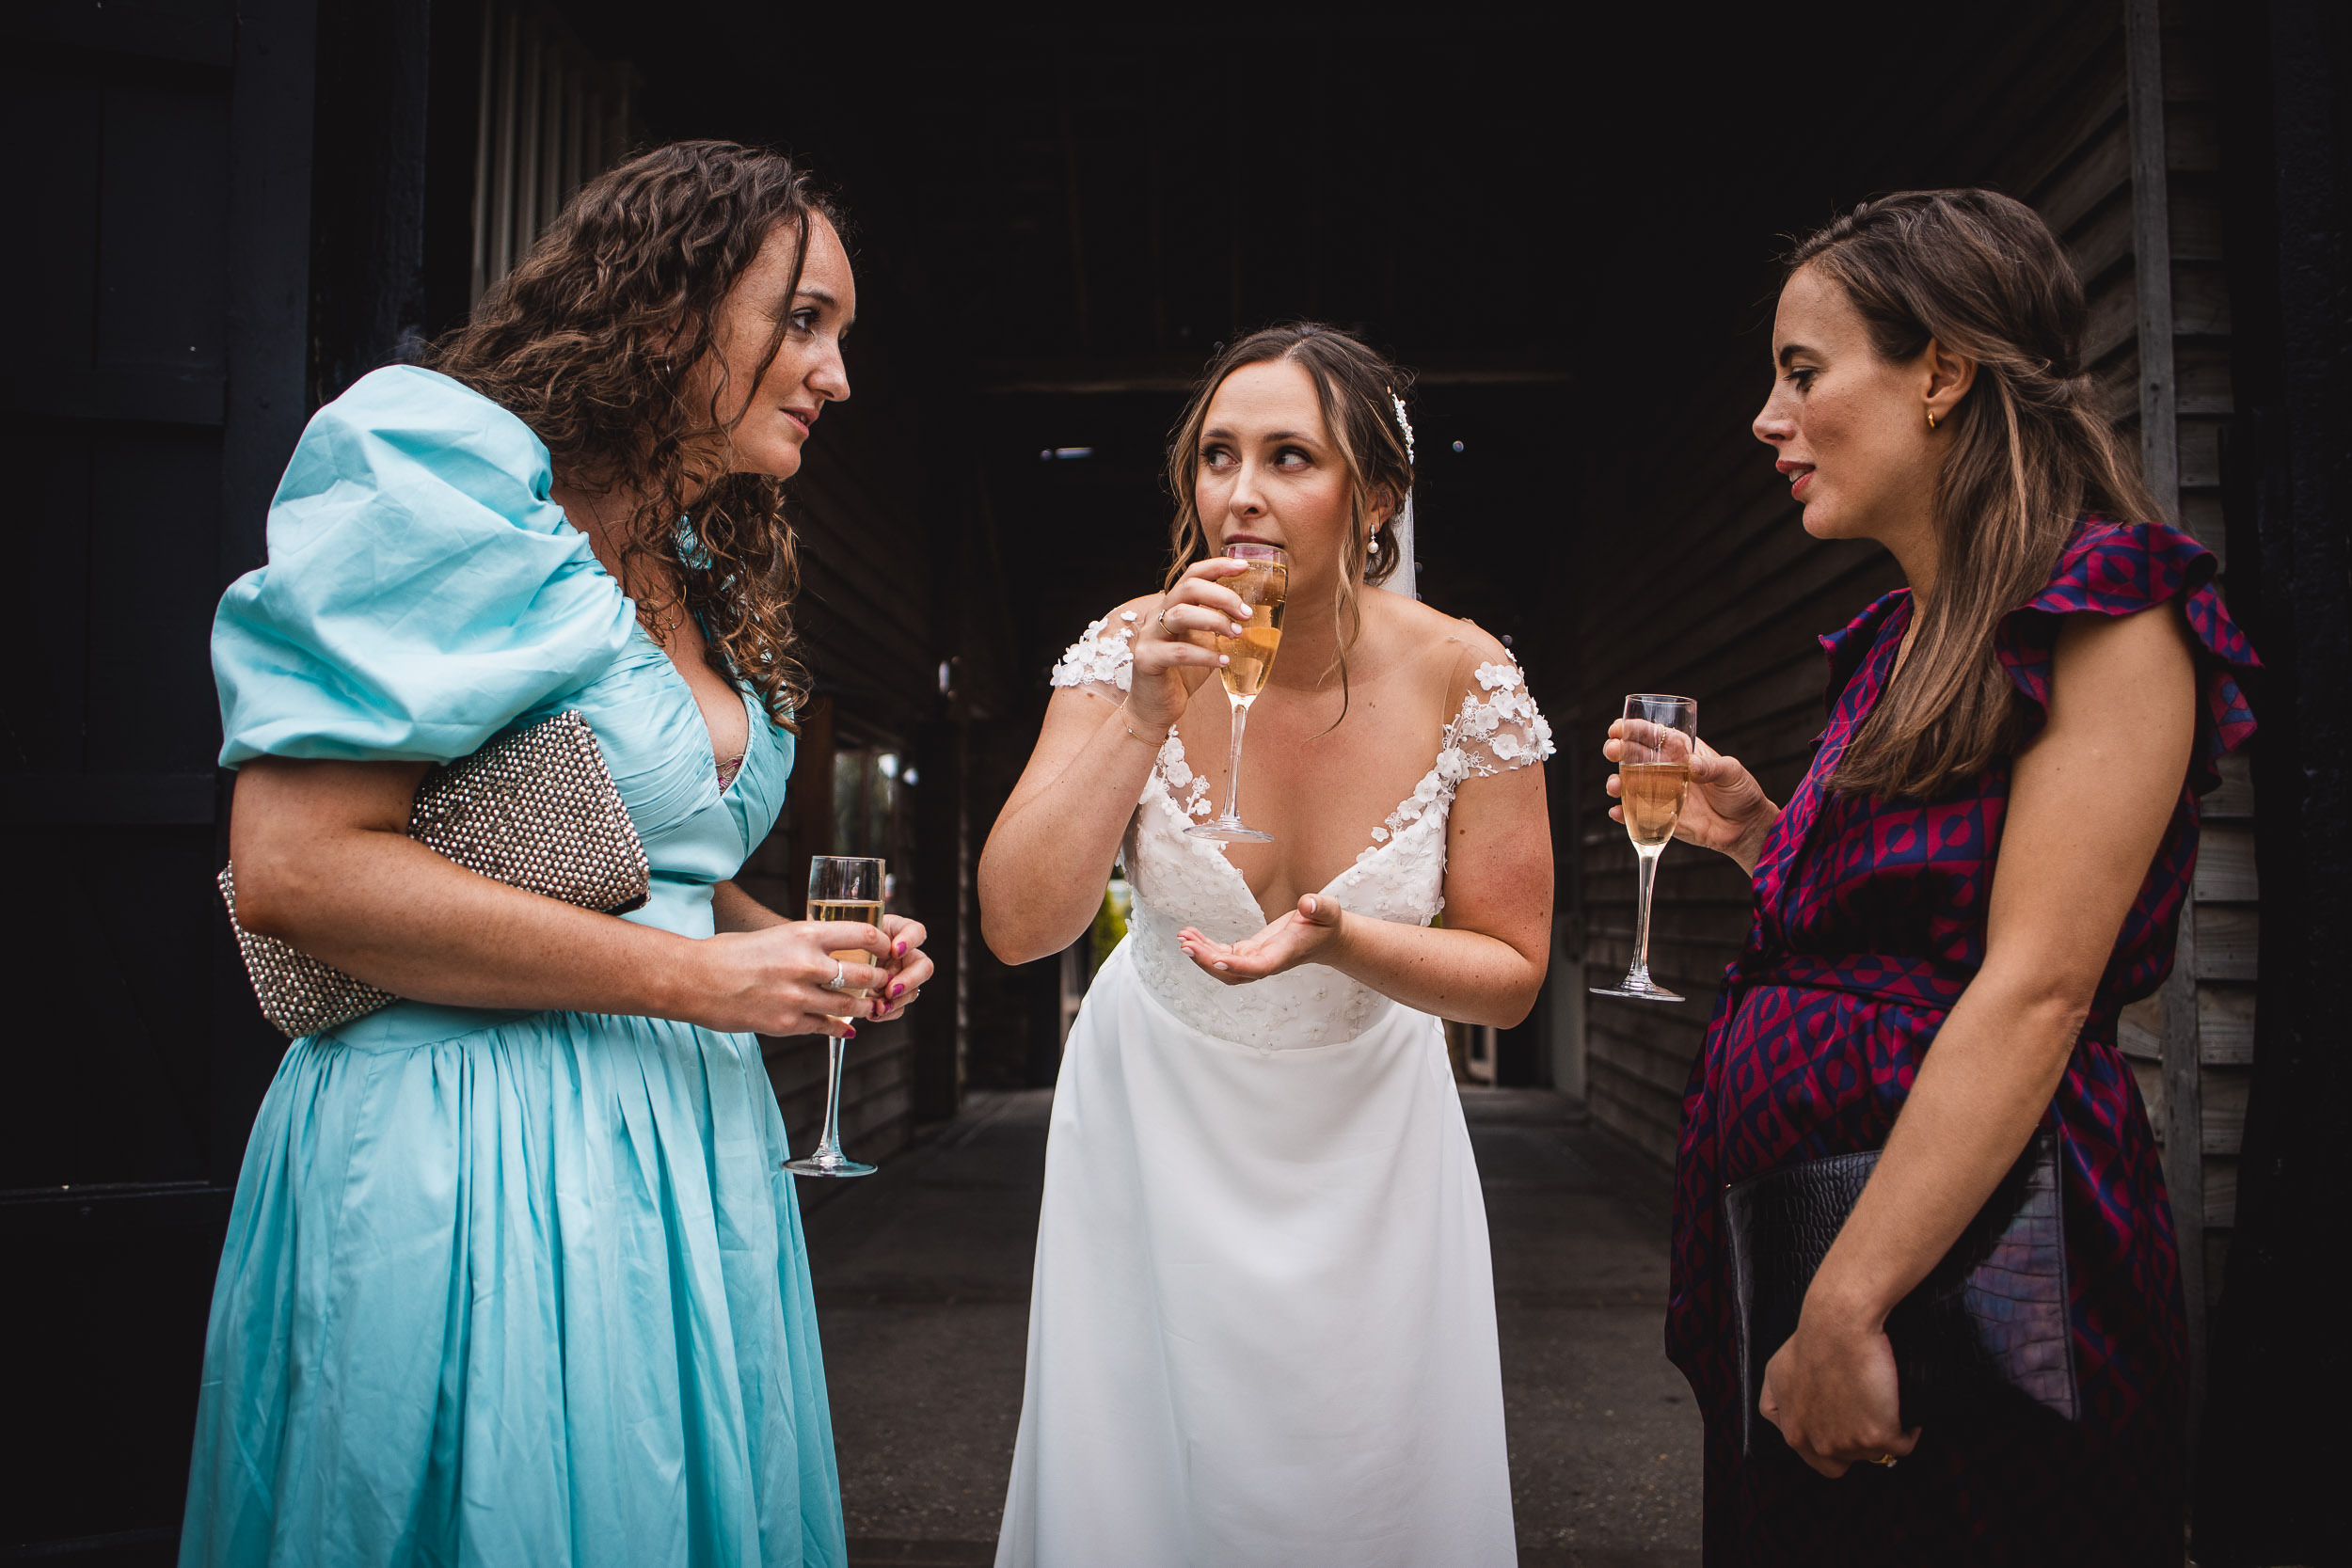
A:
499,1287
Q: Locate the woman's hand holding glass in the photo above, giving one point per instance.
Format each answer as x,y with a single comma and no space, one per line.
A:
908,967
1725,810
776,980
1173,652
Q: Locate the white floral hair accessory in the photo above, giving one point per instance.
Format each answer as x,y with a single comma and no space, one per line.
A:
1405,580
1402,422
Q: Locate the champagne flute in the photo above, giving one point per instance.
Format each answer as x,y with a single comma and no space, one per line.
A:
1248,659
1653,782
840,887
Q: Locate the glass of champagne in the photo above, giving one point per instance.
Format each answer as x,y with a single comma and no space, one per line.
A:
1653,780
840,887
1249,659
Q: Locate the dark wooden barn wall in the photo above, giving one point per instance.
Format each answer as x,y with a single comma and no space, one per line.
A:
2192,1044
869,648
156,386
1709,585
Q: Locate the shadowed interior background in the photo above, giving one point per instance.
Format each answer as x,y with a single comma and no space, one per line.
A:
1565,222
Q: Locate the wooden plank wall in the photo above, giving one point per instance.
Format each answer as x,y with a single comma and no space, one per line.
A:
867,640
1714,590
2191,1046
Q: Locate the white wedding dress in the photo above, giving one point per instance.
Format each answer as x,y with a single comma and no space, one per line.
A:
1261,1328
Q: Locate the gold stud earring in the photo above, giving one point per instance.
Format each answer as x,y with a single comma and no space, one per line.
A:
1931,418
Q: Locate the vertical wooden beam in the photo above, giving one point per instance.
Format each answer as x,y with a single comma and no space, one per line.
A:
486,131
500,244
2160,462
2152,249
531,70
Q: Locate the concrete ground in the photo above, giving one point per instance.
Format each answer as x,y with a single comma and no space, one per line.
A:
922,1278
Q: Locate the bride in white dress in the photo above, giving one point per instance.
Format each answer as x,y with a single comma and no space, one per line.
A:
1261,1328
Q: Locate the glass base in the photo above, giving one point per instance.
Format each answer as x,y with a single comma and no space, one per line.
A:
1639,987
1227,832
828,1163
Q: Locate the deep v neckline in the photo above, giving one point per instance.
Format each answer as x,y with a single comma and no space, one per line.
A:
724,773
1380,838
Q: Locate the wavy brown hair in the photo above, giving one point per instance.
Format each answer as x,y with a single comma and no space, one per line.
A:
594,340
1354,386
1983,276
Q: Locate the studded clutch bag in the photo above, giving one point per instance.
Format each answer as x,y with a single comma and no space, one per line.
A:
536,810
1987,1328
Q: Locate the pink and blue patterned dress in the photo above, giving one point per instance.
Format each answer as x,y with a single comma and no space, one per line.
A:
1869,924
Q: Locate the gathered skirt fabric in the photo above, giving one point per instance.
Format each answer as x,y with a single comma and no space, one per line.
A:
1261,1328
534,1294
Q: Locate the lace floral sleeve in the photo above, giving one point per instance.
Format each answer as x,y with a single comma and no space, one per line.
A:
1102,663
1499,728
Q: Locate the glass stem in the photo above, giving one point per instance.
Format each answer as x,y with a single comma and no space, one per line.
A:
1643,878
1233,763
831,1142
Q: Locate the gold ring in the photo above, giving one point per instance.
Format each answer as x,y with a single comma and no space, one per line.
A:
1885,1459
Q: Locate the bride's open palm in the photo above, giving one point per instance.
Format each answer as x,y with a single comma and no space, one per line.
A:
1292,939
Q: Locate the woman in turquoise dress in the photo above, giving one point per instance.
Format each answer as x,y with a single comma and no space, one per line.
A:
513,1275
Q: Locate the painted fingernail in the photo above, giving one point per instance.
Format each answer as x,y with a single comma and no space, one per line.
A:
895,989
1237,628
899,951
1220,964
853,1034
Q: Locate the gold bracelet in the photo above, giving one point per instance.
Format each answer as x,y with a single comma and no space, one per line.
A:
1130,729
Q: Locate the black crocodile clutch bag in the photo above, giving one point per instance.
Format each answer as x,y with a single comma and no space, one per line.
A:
1986,1328
535,810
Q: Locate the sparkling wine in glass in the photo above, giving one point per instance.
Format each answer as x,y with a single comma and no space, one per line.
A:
1249,659
840,887
1653,780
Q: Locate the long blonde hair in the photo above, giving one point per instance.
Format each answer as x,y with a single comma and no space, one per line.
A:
1983,276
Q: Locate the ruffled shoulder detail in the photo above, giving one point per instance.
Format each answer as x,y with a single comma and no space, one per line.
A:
1849,647
1498,727
2117,568
422,592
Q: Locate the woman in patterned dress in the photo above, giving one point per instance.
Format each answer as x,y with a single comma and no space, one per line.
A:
1988,854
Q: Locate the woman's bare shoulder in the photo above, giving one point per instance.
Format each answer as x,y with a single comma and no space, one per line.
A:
1447,645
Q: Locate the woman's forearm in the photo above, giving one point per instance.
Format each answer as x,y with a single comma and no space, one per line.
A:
1978,1097
1042,873
324,861
1461,975
385,909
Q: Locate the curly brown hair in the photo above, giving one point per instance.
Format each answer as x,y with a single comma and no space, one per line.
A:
594,340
